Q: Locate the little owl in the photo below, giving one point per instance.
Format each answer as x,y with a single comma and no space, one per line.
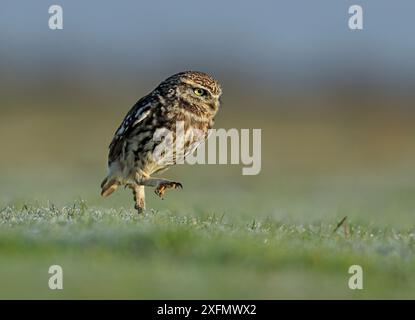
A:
189,100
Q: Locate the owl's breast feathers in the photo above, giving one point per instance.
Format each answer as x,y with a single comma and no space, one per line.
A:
133,140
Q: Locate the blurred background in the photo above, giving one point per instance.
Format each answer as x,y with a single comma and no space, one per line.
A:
335,106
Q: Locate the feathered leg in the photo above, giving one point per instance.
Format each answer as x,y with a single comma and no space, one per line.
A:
161,185
139,197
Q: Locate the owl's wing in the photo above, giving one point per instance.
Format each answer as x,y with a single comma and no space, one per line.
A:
134,117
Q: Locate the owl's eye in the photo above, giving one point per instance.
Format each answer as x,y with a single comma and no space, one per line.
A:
199,92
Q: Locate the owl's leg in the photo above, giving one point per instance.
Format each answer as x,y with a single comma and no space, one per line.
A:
139,197
161,185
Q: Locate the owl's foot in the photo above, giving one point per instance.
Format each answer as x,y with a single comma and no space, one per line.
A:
163,186
140,207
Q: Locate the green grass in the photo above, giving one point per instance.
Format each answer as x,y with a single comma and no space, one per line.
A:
224,235
118,254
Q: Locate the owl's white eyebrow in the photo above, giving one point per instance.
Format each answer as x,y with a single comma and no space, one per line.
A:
196,85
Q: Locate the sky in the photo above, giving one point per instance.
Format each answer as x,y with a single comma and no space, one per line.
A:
296,39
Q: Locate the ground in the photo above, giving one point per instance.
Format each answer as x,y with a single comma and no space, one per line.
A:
224,235
116,253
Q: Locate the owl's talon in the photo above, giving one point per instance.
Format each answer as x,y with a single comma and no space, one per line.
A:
162,187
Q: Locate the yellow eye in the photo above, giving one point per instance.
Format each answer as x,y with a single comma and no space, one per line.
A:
199,92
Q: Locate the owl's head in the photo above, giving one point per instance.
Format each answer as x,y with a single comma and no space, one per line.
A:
195,89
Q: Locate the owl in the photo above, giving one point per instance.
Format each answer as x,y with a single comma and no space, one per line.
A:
149,141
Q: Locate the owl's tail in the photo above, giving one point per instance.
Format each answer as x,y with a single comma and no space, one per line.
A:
108,186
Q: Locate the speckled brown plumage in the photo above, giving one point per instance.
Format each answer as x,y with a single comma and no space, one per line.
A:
188,98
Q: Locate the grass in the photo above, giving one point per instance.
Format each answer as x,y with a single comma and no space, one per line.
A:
225,235
118,254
